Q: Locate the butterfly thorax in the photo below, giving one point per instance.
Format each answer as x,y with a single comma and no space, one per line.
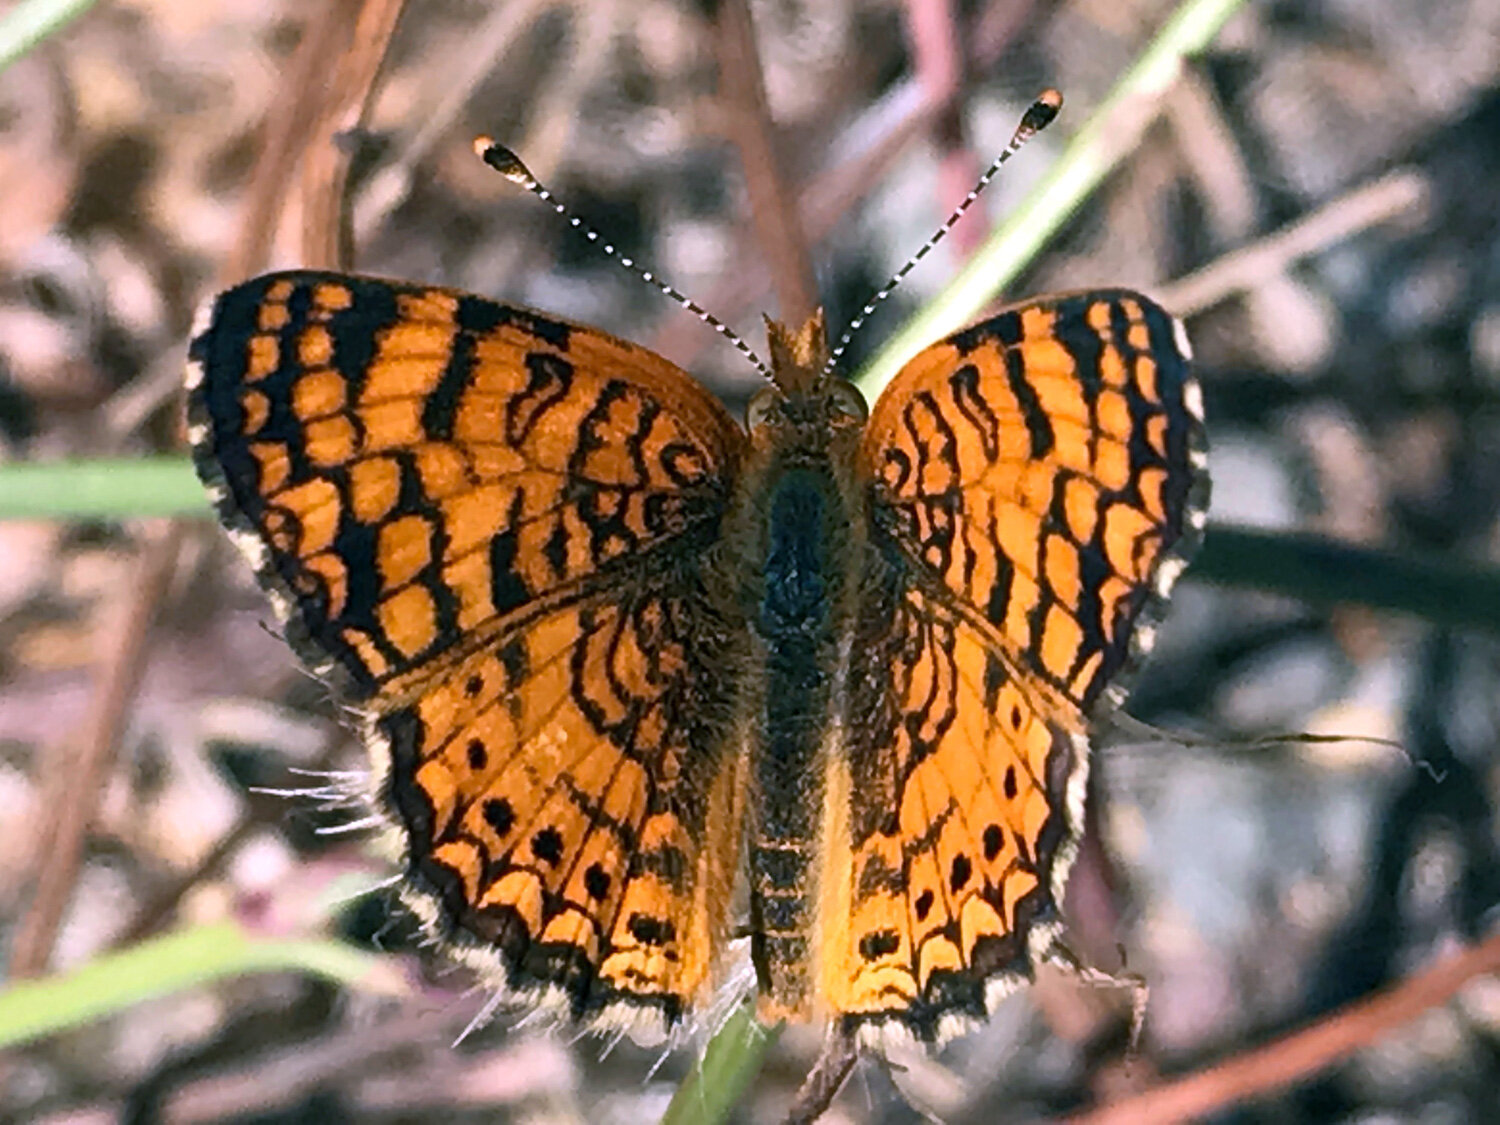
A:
796,546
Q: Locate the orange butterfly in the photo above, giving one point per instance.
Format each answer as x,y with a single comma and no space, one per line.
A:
619,657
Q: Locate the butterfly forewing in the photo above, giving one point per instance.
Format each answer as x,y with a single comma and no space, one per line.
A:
1045,467
414,466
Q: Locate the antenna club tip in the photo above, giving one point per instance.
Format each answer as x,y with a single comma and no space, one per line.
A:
502,160
1041,112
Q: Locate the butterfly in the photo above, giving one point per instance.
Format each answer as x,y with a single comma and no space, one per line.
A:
637,679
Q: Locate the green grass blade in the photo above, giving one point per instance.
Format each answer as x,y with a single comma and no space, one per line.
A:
715,1085
31,21
104,489
1105,139
114,982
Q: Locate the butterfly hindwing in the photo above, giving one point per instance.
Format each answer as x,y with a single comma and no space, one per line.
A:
570,808
963,785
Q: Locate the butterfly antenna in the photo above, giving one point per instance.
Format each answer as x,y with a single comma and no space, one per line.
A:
509,165
1036,118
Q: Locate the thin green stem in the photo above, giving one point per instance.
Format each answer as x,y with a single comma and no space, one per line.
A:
105,489
715,1084
111,983
31,21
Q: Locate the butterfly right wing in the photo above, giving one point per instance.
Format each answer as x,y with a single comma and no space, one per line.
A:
1037,481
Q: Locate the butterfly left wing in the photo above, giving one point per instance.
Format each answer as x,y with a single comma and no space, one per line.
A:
1036,481
491,528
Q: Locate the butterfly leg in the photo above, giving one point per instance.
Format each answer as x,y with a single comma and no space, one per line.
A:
1063,958
827,1077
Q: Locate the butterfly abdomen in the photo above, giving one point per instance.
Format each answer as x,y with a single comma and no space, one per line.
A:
794,537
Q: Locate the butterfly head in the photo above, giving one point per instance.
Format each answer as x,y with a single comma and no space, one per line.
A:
801,396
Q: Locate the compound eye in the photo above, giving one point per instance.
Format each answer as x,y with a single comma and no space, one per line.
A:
762,403
846,399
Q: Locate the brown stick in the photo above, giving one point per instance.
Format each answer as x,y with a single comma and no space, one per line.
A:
281,1078
289,126
772,208
327,242
1303,1053
1396,194
825,201
830,195
825,1079
82,777
938,61
439,104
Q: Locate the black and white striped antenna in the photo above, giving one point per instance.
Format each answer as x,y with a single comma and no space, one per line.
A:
1036,118
509,165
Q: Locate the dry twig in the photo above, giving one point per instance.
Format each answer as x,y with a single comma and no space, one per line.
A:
824,1081
771,206
327,241
79,777
1394,195
290,125
1303,1053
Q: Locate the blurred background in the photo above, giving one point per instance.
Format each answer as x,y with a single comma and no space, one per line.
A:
1315,195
